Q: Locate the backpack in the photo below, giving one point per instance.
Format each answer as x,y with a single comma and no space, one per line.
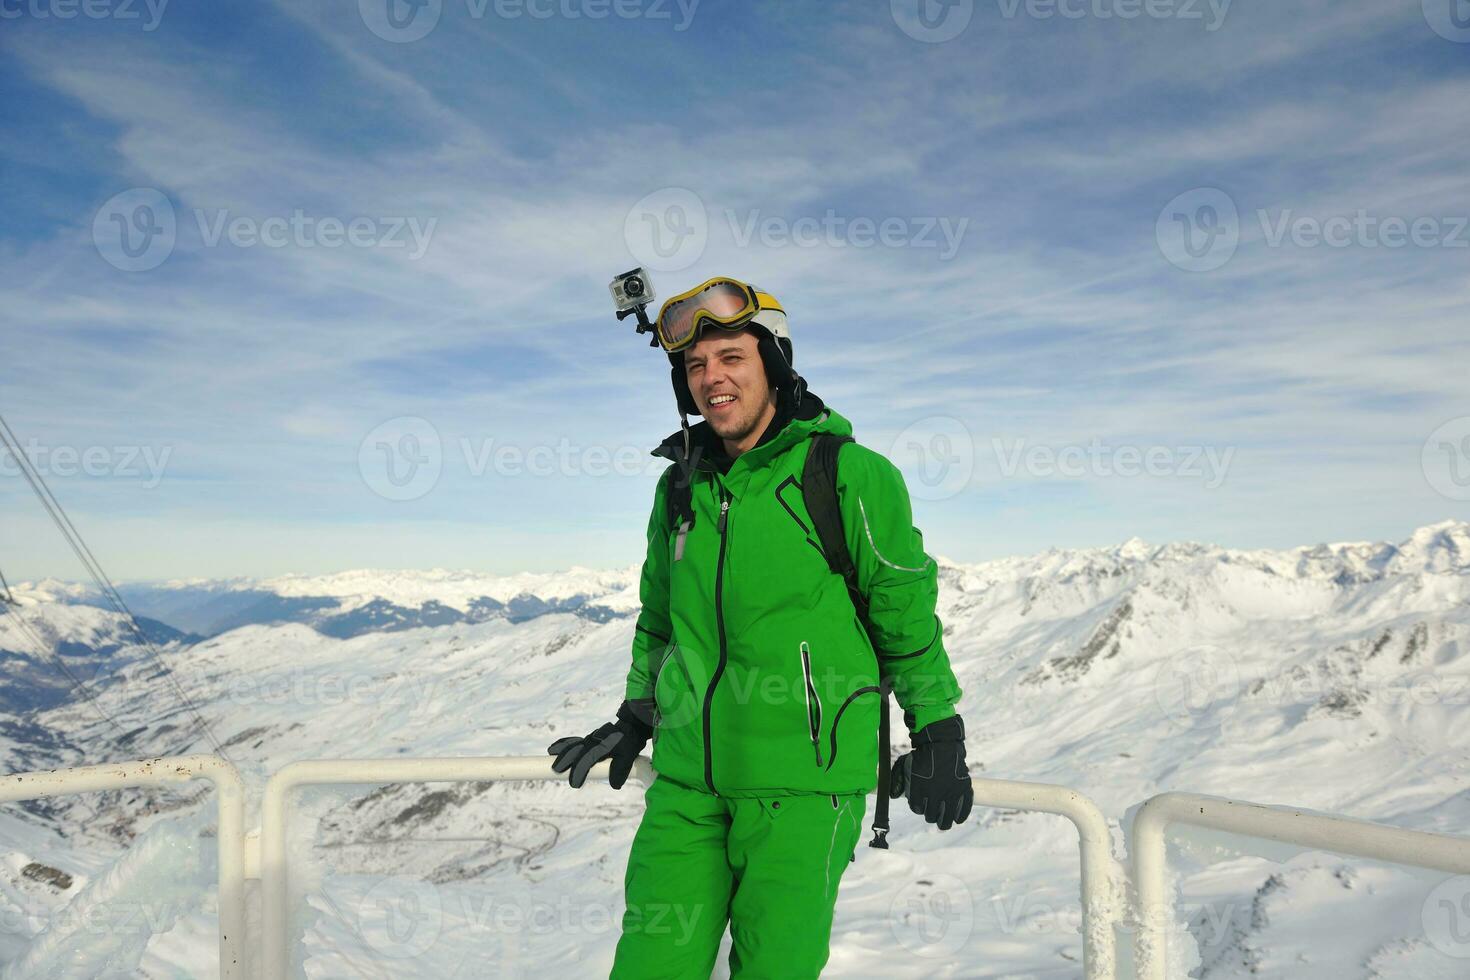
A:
819,493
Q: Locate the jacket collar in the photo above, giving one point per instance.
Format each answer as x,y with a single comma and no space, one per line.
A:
706,447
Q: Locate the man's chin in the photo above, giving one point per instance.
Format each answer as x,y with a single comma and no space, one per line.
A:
732,429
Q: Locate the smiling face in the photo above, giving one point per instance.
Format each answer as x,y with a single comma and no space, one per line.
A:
728,381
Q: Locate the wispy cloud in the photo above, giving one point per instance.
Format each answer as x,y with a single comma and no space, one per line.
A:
517,148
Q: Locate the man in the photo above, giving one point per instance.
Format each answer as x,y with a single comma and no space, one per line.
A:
751,670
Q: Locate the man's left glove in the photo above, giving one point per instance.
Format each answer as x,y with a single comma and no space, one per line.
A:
934,774
622,740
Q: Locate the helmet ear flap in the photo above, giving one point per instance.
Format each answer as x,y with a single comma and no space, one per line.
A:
682,395
776,355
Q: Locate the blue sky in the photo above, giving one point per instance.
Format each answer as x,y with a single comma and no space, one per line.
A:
243,375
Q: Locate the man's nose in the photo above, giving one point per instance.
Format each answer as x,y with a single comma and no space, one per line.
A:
714,374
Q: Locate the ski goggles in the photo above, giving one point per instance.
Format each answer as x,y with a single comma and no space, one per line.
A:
727,303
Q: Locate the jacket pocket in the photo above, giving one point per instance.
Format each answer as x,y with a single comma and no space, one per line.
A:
813,702
837,718
666,700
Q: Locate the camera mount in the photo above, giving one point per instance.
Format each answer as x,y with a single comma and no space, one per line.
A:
632,293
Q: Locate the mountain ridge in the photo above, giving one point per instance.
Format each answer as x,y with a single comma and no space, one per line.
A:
1330,677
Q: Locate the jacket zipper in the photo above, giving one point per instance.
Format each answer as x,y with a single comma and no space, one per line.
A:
709,694
813,702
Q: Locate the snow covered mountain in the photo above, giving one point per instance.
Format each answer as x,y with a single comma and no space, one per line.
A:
1332,677
350,604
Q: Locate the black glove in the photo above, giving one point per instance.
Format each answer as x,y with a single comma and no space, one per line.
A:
622,740
934,775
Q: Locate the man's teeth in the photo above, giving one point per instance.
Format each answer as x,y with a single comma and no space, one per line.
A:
721,399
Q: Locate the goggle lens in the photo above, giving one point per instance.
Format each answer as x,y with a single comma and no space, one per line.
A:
722,301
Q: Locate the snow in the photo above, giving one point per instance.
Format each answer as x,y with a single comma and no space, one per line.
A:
106,928
1328,676
456,589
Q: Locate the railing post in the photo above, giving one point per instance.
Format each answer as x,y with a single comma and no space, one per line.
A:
230,799
1303,828
275,816
1102,885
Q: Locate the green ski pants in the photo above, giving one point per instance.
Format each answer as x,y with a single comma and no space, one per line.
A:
768,865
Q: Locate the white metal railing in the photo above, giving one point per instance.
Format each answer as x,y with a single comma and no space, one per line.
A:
1103,883
1100,884
1340,835
275,816
229,792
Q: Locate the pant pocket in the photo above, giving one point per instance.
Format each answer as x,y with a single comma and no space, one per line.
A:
775,807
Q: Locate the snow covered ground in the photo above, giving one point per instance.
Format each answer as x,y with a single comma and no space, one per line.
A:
1329,677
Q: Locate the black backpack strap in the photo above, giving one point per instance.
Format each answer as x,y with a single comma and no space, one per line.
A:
680,496
819,491
885,774
680,501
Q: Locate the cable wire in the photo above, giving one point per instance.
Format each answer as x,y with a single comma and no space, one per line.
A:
55,656
104,584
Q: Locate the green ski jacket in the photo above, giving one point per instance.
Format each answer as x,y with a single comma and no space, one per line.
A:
763,676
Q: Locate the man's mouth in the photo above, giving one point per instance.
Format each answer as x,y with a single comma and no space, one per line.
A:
721,403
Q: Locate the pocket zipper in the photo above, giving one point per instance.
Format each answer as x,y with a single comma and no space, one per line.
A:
659,674
658,715
813,702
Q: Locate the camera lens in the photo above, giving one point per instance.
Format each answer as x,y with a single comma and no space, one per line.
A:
633,287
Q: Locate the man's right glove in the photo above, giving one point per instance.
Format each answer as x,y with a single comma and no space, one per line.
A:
622,740
934,775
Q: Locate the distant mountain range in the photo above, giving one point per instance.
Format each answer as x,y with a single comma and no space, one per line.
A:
1333,677
353,603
